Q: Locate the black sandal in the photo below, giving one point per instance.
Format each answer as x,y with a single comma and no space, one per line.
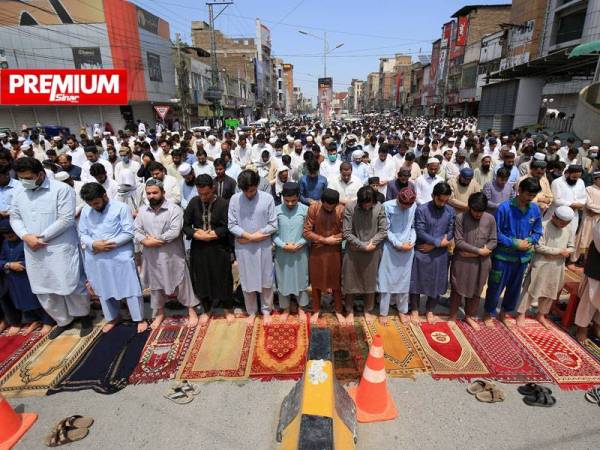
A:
532,389
593,396
540,398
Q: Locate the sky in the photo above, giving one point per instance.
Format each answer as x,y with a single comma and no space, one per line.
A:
368,30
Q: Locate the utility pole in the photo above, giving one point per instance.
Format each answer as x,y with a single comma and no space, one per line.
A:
182,82
325,50
214,93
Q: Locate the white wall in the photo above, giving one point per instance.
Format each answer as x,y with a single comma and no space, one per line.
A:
529,99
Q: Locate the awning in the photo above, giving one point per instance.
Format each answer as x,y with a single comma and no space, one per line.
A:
557,64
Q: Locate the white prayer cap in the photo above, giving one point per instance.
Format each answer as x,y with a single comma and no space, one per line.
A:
106,133
557,141
290,139
433,161
504,137
594,148
141,133
309,138
21,139
539,155
357,154
61,176
25,147
184,169
272,140
57,138
420,142
452,139
211,137
351,136
587,141
175,133
297,141
565,213
2,135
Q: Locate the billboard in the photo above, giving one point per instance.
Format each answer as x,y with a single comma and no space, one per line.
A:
325,97
461,33
435,60
446,33
51,12
87,57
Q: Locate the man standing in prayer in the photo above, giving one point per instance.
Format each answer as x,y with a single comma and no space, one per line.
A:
170,183
106,230
312,184
484,173
537,170
591,216
323,228
187,184
225,186
499,190
395,186
519,228
589,290
364,229
475,239
252,220
205,223
545,278
43,216
384,167
425,183
434,224
393,278
157,228
291,251
346,184
462,188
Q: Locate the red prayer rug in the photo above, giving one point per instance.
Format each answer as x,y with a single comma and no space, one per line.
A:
350,347
13,348
560,355
280,349
504,355
163,352
448,351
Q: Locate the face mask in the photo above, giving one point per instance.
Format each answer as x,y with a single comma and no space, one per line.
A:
332,158
126,159
28,184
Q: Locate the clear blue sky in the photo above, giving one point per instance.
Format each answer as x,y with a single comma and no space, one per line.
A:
368,30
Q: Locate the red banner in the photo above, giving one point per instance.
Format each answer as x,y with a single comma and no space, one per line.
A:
446,32
63,87
461,33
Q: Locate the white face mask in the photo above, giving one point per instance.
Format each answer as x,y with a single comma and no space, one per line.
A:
28,184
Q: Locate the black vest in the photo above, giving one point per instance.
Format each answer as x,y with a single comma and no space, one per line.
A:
592,263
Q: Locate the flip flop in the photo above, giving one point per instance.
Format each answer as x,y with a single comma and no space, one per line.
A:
593,396
490,396
532,388
64,436
480,386
179,396
77,421
540,399
187,387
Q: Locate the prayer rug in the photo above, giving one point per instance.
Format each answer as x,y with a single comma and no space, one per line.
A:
448,351
13,348
219,351
107,365
164,351
280,349
46,363
403,355
350,348
506,358
561,356
592,347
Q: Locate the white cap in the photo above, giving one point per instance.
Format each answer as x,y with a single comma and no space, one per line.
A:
21,139
57,138
557,141
420,142
351,136
211,137
433,160
357,154
184,169
61,176
25,147
452,139
272,140
290,139
565,213
587,141
539,155
594,148
2,135
309,138
106,133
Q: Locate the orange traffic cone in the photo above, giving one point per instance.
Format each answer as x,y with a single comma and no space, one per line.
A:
372,399
12,425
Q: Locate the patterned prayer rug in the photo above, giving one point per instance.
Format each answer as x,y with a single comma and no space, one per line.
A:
448,351
12,348
219,351
561,356
46,363
593,348
280,349
404,357
164,351
350,348
506,358
106,367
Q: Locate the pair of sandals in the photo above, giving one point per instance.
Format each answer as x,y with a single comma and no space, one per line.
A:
73,428
536,395
486,391
182,393
593,396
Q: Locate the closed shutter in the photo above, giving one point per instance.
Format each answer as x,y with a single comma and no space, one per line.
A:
145,113
90,115
5,118
69,118
46,115
24,116
112,115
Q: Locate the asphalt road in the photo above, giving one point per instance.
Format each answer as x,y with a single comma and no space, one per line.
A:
228,415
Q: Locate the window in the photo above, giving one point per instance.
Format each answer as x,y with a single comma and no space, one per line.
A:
570,27
154,70
469,76
279,84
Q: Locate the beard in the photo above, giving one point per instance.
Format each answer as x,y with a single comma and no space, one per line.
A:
154,202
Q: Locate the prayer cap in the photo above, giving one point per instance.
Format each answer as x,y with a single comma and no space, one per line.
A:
57,138
289,189
330,196
539,156
538,164
357,154
309,138
106,133
25,147
211,138
596,174
351,136
486,156
466,172
594,148
21,139
433,160
587,141
372,180
452,139
61,176
273,140
2,135
575,168
462,153
420,142
565,213
141,133
557,141
290,139
155,182
184,169
407,196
